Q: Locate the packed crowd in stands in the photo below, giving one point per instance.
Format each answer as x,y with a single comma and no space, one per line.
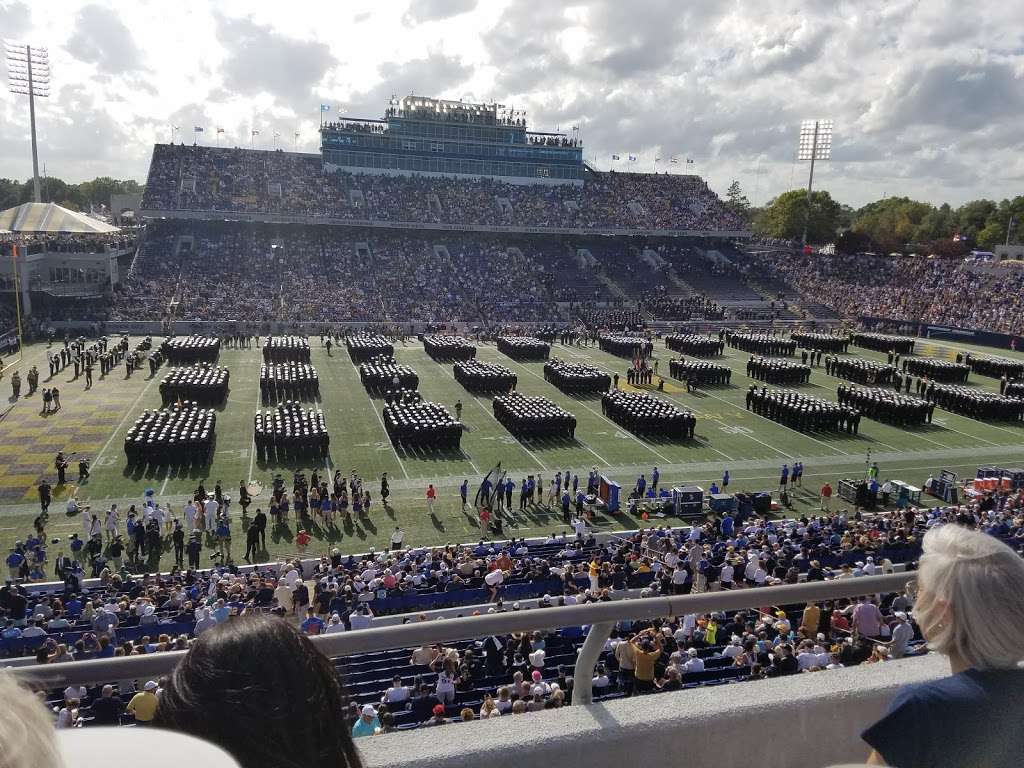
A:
523,672
239,180
303,274
66,243
908,288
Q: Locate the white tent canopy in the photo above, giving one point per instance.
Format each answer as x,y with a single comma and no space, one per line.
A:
30,218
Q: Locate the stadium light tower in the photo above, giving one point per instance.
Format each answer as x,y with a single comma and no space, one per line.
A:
28,74
815,144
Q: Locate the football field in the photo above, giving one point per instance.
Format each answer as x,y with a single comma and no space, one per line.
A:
93,423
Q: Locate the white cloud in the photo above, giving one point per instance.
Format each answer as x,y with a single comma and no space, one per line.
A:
924,105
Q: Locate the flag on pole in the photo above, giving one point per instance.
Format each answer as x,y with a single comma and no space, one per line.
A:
219,129
657,159
325,108
675,160
689,161
255,132
632,158
615,157
277,135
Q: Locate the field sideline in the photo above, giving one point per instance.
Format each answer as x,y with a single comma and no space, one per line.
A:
94,423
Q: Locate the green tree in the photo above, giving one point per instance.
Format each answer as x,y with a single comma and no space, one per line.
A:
892,222
10,194
973,216
991,235
736,201
784,217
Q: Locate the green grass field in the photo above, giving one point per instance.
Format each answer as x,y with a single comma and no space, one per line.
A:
752,448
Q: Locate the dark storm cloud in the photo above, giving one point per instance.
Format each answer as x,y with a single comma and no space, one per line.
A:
954,95
421,11
101,38
260,60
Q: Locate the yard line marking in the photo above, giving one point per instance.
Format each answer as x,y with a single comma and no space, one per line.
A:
770,421
602,416
127,415
596,454
973,437
386,435
714,418
252,443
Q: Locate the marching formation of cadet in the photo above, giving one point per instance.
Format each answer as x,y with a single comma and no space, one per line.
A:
976,403
859,370
761,344
179,436
821,342
882,342
645,414
777,371
939,370
802,412
887,405
290,431
994,367
699,372
695,345
203,384
288,381
577,377
281,349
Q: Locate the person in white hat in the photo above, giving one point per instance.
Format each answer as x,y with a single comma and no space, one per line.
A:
367,724
143,704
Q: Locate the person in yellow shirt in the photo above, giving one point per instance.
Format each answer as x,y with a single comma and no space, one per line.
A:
711,631
646,652
143,704
810,620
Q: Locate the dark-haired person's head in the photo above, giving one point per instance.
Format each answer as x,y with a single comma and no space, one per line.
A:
258,688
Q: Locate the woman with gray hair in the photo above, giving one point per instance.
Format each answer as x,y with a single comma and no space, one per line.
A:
969,604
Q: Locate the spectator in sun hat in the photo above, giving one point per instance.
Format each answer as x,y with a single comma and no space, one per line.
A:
367,724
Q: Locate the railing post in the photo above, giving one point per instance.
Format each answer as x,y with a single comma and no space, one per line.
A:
583,674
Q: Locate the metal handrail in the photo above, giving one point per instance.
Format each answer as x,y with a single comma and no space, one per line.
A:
601,617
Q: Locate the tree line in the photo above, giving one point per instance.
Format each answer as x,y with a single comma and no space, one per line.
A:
76,197
892,224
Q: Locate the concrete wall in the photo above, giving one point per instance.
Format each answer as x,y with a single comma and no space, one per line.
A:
805,721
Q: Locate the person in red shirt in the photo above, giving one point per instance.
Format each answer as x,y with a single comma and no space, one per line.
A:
431,496
485,520
302,540
826,496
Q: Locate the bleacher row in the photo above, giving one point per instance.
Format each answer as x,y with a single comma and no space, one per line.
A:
518,586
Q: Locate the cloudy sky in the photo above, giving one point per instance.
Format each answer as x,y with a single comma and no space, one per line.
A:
927,95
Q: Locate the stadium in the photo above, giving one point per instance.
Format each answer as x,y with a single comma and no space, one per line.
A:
445,423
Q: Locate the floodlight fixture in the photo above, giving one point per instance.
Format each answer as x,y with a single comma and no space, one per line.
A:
28,74
815,143
815,140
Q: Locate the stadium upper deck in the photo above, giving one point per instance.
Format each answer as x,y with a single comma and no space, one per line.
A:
206,182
